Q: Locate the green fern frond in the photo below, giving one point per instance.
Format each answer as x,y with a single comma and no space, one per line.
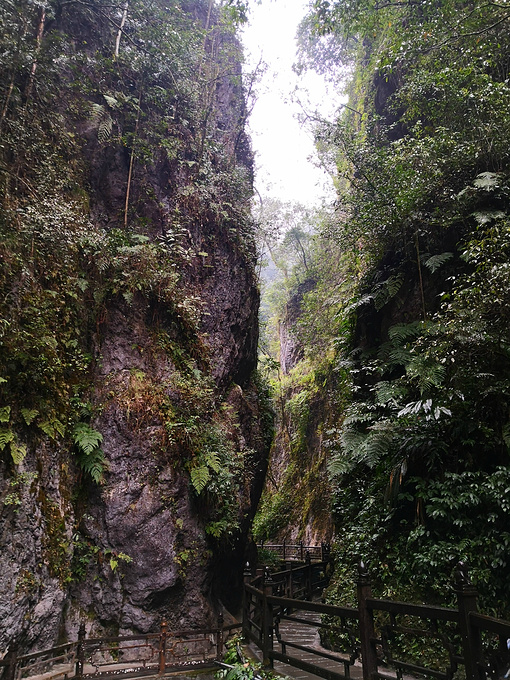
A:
52,428
18,452
361,417
428,374
200,475
377,444
385,392
404,332
111,101
437,261
400,355
5,414
338,466
387,290
213,460
102,118
6,437
86,438
352,441
94,464
29,415
488,181
487,216
365,300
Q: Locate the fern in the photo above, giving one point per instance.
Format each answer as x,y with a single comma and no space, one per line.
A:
428,374
404,332
6,437
213,460
111,101
387,290
103,120
18,452
52,428
200,475
5,414
488,181
377,443
94,464
86,438
437,261
338,466
29,415
91,457
365,300
488,216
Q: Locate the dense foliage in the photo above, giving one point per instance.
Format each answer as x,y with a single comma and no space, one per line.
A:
416,301
121,133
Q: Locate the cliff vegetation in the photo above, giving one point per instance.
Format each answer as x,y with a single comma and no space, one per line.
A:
401,372
132,431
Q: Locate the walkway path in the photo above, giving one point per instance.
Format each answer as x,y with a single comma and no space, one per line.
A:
307,636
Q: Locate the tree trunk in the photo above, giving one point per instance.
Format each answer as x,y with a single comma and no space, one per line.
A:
39,37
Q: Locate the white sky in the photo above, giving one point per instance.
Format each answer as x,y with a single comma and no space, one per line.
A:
282,148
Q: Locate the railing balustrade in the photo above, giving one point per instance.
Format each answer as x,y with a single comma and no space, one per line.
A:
135,655
468,644
297,551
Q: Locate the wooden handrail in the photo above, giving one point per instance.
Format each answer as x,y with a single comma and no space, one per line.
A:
75,653
262,602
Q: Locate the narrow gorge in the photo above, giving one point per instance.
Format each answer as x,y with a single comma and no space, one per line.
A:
190,364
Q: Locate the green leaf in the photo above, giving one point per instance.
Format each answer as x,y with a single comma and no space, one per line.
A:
18,452
200,475
213,460
86,438
437,261
94,464
29,415
52,428
5,414
6,437
488,180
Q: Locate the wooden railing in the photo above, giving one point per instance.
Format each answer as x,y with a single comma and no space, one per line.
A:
298,551
132,655
374,634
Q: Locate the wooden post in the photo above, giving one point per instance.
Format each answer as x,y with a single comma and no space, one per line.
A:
80,651
284,550
366,623
467,602
219,638
301,549
162,647
309,575
247,576
12,660
267,620
291,581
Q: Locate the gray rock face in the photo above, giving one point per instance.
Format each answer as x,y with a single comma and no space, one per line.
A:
167,386
35,534
291,351
144,510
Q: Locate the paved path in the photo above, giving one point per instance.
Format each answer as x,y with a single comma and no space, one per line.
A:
307,635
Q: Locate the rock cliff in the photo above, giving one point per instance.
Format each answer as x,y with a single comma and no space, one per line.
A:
133,443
